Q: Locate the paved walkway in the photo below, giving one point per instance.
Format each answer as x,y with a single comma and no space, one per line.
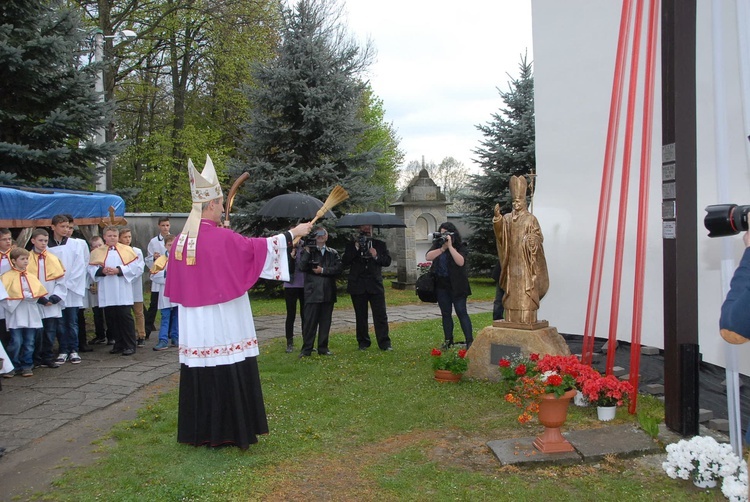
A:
32,407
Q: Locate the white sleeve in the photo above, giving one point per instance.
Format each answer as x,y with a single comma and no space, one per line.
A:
276,266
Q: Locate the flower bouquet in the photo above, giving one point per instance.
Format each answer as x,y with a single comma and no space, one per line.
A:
527,379
705,461
452,360
423,268
606,391
542,386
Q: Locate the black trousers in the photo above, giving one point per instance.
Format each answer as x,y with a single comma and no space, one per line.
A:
379,319
4,334
150,316
121,326
292,296
83,340
316,318
100,331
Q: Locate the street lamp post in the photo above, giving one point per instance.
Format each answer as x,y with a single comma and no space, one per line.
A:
104,178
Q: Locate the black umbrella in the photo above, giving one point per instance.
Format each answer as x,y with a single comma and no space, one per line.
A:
293,205
379,220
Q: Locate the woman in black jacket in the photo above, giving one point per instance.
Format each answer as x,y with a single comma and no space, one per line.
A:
450,265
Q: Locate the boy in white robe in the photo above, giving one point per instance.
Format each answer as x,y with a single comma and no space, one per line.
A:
126,237
114,267
25,293
48,268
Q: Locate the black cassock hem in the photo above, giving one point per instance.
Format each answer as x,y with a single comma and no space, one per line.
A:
221,405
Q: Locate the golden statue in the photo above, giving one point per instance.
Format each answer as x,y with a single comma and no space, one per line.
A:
519,248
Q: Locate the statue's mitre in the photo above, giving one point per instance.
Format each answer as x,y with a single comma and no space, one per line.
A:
204,186
518,186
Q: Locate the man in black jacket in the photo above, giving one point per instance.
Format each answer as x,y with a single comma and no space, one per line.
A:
321,265
365,257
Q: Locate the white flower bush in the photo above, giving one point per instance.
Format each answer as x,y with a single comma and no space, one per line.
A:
702,459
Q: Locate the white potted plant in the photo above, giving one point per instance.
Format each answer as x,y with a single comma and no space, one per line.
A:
705,461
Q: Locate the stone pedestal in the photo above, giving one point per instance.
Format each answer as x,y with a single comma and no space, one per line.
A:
493,343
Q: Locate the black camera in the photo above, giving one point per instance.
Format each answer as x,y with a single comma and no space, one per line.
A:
439,238
310,242
725,219
365,243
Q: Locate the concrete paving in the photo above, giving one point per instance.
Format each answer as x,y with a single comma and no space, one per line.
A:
31,408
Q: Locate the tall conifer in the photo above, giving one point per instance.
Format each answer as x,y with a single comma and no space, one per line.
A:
305,128
49,110
508,149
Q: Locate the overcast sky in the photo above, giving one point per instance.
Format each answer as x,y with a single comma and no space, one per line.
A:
439,65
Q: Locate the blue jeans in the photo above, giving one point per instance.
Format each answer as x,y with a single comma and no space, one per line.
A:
67,331
447,302
21,347
168,326
45,340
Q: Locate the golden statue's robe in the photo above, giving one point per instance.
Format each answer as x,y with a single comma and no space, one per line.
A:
524,275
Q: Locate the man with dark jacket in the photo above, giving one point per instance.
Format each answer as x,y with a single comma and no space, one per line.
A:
321,265
365,257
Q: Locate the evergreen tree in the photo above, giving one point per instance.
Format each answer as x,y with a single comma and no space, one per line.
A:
506,150
305,128
49,110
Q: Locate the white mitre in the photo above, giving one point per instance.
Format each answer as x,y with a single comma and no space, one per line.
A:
204,187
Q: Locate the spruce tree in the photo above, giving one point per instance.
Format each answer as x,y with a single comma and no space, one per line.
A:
49,110
305,128
506,150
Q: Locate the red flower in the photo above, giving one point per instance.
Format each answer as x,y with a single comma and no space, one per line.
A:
462,353
504,363
534,357
554,380
521,369
436,352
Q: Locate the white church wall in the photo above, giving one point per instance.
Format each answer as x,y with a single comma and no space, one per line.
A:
574,54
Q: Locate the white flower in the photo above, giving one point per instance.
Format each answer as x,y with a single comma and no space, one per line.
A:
544,376
702,458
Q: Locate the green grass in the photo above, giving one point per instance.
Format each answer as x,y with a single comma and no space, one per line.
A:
483,289
360,426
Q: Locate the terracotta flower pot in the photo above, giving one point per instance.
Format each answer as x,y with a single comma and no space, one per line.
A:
447,376
553,411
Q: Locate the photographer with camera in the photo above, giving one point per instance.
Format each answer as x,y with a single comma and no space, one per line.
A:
449,257
735,311
321,265
365,257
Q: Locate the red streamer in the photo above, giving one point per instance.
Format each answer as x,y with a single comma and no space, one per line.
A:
606,189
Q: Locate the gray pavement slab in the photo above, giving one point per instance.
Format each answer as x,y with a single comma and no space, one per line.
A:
591,445
521,451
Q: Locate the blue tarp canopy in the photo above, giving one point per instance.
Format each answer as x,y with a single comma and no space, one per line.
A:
32,207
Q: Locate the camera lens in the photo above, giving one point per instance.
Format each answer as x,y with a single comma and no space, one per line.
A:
725,219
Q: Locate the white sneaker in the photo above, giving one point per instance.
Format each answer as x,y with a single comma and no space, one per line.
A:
61,358
74,358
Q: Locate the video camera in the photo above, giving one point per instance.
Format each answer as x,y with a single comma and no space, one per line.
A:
439,238
309,242
365,243
725,219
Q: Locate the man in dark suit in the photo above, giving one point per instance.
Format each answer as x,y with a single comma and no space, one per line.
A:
321,265
365,257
